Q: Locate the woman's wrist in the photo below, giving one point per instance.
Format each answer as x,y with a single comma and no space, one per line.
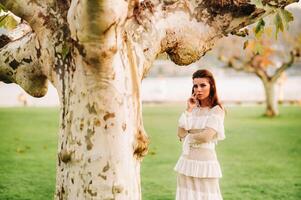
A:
189,110
181,137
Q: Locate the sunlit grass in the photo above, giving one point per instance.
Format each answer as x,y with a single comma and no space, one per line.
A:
260,158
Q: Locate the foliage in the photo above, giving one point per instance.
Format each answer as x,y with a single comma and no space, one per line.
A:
287,17
278,24
259,29
282,17
65,50
263,44
2,8
264,51
8,22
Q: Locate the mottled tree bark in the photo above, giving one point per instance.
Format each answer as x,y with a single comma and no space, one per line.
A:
19,59
96,54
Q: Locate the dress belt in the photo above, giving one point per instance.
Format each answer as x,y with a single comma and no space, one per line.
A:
202,145
187,144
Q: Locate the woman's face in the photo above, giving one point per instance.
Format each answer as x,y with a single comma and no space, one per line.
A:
201,88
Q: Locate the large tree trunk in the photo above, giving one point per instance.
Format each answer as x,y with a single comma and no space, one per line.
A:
270,98
97,140
102,139
96,54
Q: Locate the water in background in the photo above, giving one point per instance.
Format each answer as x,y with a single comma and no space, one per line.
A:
231,89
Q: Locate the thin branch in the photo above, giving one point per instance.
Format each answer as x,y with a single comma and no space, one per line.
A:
233,63
247,66
283,67
258,70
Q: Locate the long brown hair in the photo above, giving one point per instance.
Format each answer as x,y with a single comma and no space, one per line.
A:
213,98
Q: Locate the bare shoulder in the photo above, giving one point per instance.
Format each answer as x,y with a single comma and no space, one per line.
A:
217,110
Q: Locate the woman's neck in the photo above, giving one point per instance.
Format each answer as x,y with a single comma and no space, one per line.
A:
205,103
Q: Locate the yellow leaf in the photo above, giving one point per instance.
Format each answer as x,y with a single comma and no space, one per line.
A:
269,31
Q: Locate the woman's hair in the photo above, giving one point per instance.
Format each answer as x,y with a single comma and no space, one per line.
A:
213,98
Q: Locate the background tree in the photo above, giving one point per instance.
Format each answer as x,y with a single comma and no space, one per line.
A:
96,54
265,55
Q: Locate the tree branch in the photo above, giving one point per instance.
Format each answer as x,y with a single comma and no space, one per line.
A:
233,63
19,64
248,13
283,67
258,69
29,10
186,30
247,66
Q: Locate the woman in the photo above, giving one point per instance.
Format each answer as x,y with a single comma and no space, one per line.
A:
200,127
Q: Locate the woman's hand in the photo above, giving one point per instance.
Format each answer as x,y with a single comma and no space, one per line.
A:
182,133
195,131
191,103
204,136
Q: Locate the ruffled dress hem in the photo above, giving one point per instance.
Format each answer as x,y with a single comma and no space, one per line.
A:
183,193
198,169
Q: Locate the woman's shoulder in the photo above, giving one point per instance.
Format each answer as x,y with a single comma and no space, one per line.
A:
217,110
196,112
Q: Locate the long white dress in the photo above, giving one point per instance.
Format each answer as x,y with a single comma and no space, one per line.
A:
198,168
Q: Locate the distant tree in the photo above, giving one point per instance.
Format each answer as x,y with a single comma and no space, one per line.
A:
265,56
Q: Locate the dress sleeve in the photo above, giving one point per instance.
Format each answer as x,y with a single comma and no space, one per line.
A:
215,121
185,120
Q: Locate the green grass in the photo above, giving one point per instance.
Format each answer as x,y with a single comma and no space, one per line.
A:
260,158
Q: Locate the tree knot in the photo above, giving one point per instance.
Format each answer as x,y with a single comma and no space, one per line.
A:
141,144
65,156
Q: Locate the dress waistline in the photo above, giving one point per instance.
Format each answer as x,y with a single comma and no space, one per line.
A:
202,145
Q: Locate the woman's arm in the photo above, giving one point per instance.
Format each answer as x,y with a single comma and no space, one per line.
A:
204,135
185,117
182,133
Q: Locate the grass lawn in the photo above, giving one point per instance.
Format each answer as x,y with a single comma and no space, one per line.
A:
260,158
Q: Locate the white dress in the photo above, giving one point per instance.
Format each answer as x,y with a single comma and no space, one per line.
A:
198,168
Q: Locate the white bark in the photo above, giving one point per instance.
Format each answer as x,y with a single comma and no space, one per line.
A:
271,99
96,54
270,87
102,138
31,11
21,60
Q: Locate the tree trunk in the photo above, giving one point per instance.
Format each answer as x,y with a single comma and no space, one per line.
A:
270,98
101,139
96,145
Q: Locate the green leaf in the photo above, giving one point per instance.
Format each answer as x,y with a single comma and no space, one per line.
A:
2,8
259,28
65,50
258,48
278,24
287,16
8,22
2,17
